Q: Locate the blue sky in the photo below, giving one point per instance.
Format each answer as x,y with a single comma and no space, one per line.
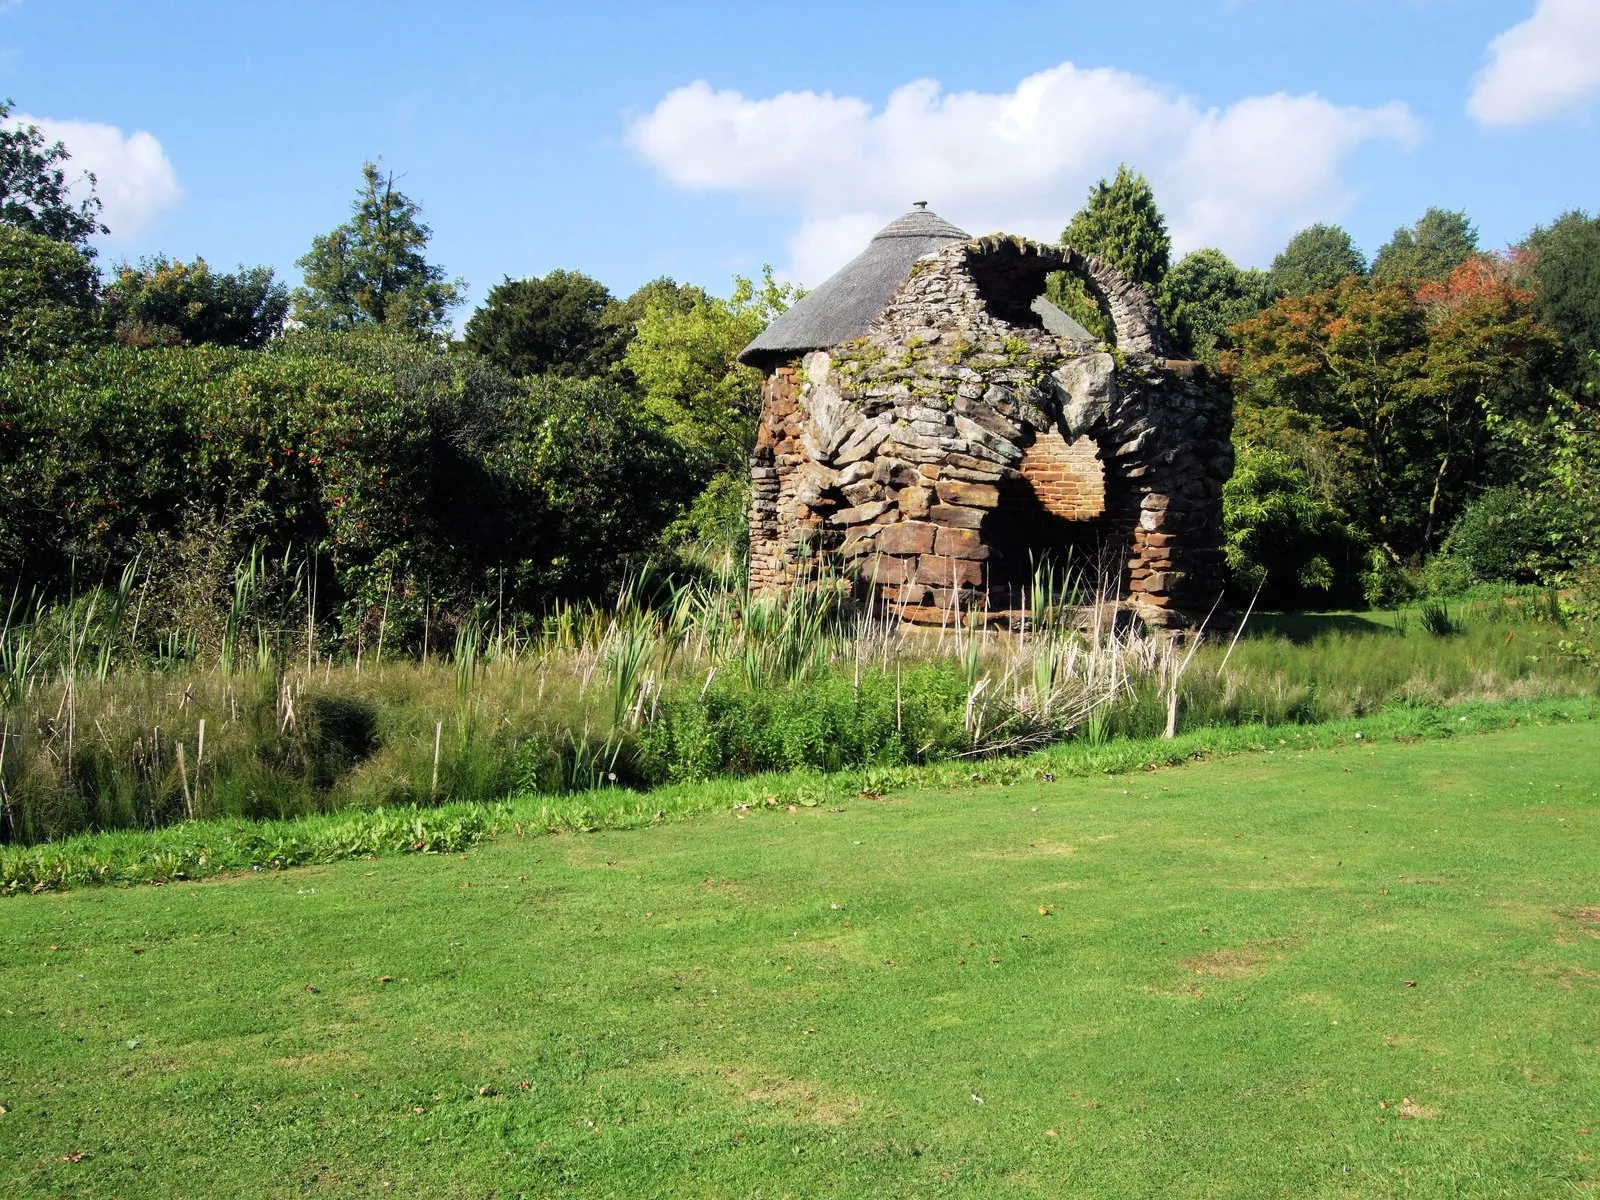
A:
698,139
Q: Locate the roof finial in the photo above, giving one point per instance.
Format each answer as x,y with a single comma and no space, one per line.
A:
922,204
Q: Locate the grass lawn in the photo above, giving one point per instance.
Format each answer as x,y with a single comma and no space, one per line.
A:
1366,972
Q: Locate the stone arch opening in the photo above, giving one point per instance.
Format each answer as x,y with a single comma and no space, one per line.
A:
1010,280
1011,275
1014,283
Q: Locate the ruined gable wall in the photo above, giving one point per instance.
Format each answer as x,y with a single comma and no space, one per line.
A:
772,467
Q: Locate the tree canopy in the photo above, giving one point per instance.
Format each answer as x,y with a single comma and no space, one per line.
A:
1121,224
1283,540
35,194
1317,257
371,269
49,296
1408,380
1566,266
1437,244
560,323
164,302
685,361
1203,295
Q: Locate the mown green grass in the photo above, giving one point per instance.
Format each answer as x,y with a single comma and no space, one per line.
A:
1248,968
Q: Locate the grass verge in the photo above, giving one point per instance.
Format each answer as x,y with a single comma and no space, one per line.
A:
200,849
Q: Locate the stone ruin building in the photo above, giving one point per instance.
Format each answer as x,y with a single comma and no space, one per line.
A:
931,426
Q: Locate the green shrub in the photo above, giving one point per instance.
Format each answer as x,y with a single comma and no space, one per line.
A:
1384,583
389,481
1436,619
1500,537
1281,537
1445,574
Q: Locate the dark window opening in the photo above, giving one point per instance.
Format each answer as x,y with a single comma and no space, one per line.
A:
1026,541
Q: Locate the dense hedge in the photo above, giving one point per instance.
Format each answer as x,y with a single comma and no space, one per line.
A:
403,474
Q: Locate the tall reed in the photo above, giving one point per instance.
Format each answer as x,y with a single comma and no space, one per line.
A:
101,715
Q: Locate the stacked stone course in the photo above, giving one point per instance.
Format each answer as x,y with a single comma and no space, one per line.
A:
921,457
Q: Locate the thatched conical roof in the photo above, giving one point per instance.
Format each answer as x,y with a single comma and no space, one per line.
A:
843,306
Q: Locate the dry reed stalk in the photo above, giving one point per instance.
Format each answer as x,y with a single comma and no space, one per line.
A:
5,795
1177,674
183,776
438,734
311,619
383,621
1237,633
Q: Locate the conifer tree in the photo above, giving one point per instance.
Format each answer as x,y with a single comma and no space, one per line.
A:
371,269
1317,257
1436,245
1121,224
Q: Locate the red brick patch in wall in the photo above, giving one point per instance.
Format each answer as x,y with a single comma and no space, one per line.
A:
1068,478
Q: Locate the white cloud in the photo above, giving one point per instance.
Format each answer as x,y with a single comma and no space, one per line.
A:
1242,178
133,175
1549,62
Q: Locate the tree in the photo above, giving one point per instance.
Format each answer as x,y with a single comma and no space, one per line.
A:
602,481
34,193
1486,352
560,324
664,294
1566,266
1121,224
1205,294
1070,293
1561,444
1408,381
1350,357
1437,244
1317,257
49,296
164,302
371,269
686,363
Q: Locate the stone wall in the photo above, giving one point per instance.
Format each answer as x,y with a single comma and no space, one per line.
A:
896,458
773,465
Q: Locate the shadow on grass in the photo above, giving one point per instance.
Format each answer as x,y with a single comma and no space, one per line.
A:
1304,627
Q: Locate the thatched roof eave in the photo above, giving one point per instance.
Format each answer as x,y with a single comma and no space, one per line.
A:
843,307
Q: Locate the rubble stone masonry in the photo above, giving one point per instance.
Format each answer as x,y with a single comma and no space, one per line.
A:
932,458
